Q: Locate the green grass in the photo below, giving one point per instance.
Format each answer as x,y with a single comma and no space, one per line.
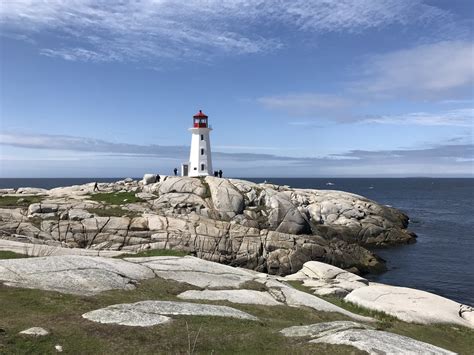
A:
115,198
114,211
18,201
154,252
61,315
11,255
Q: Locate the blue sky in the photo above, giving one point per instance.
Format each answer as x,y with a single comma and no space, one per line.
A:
292,88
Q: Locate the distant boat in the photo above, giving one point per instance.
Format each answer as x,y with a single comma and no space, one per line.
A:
330,184
371,187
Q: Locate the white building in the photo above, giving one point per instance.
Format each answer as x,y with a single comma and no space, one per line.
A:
200,160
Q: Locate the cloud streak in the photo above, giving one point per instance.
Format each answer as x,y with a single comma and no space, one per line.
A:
105,31
428,71
456,155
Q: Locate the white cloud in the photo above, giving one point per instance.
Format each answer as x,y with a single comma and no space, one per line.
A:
306,104
427,71
462,118
100,30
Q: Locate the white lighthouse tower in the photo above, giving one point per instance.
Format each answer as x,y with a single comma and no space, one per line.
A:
200,159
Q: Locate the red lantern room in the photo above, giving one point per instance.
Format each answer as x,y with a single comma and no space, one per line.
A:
200,120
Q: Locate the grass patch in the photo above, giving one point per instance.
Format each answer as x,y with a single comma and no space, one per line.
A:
112,212
11,255
61,315
154,252
18,201
115,198
349,306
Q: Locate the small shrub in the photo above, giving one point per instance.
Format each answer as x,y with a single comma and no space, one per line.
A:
18,201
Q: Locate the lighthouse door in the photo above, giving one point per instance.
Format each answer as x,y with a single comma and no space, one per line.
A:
184,170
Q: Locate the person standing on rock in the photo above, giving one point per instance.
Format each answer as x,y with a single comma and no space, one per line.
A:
216,173
96,186
158,177
220,173
175,171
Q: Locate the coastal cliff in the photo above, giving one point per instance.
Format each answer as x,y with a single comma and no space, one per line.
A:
264,227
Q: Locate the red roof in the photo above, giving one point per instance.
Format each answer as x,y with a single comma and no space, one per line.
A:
200,115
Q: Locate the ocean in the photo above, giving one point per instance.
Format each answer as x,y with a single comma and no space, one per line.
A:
441,213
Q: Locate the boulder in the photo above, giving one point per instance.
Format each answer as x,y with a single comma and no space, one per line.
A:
195,271
284,216
227,200
35,331
409,305
362,337
149,179
184,185
82,275
76,214
148,313
377,342
234,296
325,279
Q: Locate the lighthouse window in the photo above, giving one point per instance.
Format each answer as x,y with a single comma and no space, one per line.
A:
202,151
202,166
202,137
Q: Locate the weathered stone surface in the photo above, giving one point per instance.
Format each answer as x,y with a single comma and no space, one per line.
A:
52,249
146,196
321,329
35,331
325,279
234,296
79,214
184,185
284,216
73,274
226,198
295,298
362,337
149,179
147,313
195,271
378,342
409,304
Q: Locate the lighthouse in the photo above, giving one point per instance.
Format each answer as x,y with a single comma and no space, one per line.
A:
200,159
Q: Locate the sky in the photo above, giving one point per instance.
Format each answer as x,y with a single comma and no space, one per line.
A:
300,88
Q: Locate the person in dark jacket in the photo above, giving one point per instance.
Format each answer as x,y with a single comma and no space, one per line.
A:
220,173
96,186
175,171
158,178
216,173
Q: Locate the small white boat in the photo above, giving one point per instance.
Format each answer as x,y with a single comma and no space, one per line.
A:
330,184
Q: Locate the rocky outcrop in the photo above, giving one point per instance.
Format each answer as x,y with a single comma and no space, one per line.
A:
411,305
324,279
265,227
407,304
82,275
149,313
364,338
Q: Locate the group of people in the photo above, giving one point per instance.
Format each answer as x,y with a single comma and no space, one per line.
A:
216,173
